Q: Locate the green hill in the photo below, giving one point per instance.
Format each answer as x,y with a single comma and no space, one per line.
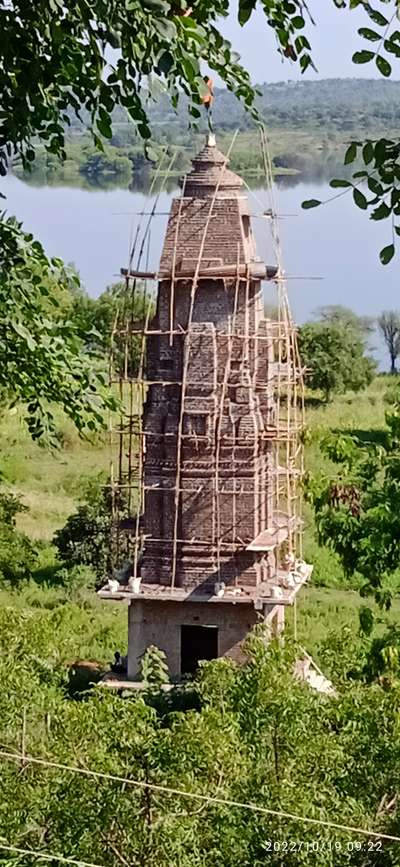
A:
308,122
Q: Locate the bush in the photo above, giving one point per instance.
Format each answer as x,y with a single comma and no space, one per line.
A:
76,579
85,537
18,556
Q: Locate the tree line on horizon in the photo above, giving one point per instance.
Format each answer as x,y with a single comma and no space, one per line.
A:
340,104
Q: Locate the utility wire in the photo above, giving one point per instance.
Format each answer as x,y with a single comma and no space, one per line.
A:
225,802
6,847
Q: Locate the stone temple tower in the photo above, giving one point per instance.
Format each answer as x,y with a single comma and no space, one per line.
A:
215,544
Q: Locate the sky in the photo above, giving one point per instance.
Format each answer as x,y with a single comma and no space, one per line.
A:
334,40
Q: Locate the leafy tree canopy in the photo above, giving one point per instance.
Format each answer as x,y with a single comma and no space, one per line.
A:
56,56
100,320
334,357
258,736
41,359
337,314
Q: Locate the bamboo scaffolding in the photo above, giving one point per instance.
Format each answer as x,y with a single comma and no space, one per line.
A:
269,460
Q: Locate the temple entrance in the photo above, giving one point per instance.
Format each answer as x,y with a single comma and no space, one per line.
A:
197,643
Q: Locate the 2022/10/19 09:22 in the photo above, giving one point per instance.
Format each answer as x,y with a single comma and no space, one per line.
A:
322,845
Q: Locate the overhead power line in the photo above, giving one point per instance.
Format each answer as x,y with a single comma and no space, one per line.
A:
45,856
211,799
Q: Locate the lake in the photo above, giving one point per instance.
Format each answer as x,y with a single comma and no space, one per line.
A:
93,229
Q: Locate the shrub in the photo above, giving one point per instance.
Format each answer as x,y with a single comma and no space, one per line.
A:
153,668
18,556
76,579
85,537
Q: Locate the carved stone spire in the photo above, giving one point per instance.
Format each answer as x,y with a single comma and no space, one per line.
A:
208,172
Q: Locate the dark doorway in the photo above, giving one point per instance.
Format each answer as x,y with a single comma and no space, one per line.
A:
197,643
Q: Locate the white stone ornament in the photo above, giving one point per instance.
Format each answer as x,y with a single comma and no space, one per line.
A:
134,584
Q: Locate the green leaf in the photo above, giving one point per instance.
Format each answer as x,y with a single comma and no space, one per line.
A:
392,47
397,230
305,62
165,62
144,131
376,16
104,127
189,23
350,154
375,186
301,42
246,7
152,154
337,182
368,152
369,34
166,29
386,254
362,56
310,203
383,66
160,6
381,213
25,334
360,199
190,66
298,22
380,151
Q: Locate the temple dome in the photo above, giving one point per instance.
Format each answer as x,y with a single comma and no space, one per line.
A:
208,173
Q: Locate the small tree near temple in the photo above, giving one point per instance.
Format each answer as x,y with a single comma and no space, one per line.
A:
41,357
96,319
334,357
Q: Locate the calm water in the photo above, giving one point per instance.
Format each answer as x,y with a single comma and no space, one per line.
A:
337,242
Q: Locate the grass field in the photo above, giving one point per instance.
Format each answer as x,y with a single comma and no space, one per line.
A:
51,483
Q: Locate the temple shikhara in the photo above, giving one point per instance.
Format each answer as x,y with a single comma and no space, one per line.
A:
206,485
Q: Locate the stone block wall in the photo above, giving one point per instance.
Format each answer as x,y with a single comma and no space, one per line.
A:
159,623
